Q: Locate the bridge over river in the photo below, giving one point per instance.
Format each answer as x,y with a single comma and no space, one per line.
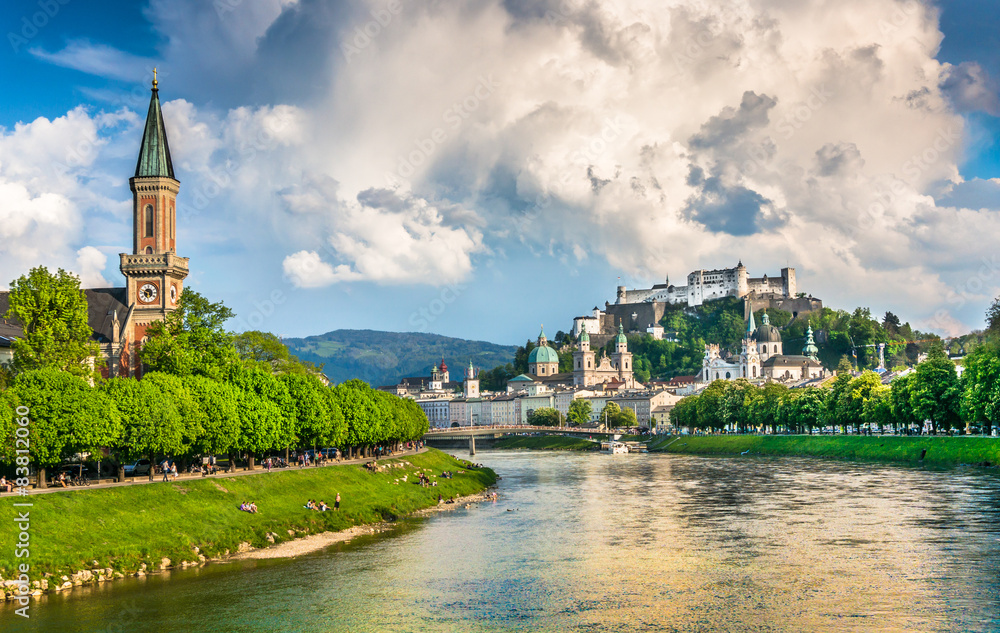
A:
493,432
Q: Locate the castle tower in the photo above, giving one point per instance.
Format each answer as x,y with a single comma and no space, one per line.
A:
153,272
790,287
583,362
742,280
471,386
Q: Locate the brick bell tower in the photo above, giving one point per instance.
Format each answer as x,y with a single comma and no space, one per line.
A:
154,273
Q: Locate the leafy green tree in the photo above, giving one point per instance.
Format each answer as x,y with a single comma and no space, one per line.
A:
317,416
901,400
363,413
808,407
191,339
993,318
981,386
580,411
610,413
685,413
53,313
67,416
152,425
764,405
877,408
626,419
218,414
544,416
269,351
936,393
267,412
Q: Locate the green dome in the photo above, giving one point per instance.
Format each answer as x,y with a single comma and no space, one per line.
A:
810,349
584,337
621,335
543,354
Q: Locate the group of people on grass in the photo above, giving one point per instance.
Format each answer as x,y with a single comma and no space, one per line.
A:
320,506
250,507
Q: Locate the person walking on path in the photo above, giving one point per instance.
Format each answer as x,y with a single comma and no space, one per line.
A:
165,467
336,502
268,464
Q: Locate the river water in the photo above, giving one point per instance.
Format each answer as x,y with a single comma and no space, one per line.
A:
585,542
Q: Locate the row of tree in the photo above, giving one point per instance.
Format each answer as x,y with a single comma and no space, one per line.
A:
204,391
933,393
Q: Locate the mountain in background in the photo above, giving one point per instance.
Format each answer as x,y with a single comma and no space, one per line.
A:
382,358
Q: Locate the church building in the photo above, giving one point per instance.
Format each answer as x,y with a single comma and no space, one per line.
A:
763,357
154,274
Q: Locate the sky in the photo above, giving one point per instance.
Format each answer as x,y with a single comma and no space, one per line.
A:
478,168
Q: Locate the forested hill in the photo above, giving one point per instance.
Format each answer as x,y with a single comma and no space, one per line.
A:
382,358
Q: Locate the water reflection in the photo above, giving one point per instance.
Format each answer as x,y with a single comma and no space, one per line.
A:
619,543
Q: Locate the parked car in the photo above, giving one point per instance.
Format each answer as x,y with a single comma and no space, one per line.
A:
141,467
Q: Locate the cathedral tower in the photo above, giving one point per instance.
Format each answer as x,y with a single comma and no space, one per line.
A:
154,273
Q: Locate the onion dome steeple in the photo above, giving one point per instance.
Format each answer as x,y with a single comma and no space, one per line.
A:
810,349
154,153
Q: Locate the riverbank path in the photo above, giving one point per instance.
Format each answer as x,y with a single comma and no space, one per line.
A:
158,479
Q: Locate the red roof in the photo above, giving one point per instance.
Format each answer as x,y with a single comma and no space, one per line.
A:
680,380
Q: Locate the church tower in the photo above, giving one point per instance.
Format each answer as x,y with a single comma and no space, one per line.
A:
154,273
622,358
583,362
750,358
471,382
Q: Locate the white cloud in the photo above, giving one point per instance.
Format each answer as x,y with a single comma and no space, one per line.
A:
90,263
659,137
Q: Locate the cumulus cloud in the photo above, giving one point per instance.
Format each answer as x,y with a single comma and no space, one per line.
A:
90,263
659,138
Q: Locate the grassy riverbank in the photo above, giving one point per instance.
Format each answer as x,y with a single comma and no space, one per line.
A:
125,527
548,443
941,451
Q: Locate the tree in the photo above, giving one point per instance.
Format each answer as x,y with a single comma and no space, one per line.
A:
152,425
52,310
900,399
685,413
268,350
67,416
218,414
808,407
626,419
610,413
317,416
981,386
363,413
266,410
191,339
580,411
993,318
544,416
936,393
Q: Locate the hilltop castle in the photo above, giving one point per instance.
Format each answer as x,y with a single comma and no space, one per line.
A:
640,310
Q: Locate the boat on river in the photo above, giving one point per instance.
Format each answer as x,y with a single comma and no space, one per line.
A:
614,448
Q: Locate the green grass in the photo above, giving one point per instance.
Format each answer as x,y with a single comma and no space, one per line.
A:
127,526
548,443
941,451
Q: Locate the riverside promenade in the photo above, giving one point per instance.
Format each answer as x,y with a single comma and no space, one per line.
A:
158,478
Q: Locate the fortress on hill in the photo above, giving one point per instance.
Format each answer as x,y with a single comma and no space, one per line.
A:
640,310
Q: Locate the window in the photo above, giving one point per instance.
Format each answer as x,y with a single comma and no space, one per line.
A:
148,220
728,375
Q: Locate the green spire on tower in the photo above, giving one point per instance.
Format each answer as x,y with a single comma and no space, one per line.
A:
810,349
751,324
154,153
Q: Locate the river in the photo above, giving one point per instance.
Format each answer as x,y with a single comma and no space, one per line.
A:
585,542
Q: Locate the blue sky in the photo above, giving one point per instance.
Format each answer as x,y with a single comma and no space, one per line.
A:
821,136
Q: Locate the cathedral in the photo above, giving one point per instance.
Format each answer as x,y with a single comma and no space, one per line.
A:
763,357
154,274
610,371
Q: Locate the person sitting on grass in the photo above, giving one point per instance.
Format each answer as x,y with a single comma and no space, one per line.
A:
323,507
243,507
252,508
310,505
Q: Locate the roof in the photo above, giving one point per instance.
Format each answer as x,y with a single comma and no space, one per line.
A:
154,153
790,361
683,379
521,378
543,354
102,303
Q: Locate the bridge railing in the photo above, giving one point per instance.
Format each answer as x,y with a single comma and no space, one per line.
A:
456,430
